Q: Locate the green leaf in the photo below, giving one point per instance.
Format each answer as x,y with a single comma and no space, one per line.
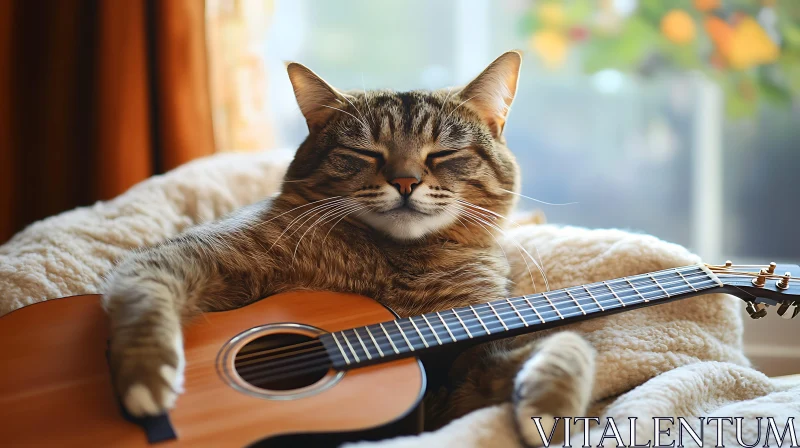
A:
624,51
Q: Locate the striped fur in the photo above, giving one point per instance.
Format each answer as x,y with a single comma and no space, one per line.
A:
338,224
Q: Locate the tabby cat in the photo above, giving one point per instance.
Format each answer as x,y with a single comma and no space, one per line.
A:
392,196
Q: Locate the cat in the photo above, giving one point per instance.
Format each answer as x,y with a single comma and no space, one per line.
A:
394,196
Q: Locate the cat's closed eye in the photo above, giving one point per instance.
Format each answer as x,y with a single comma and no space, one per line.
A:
440,154
378,157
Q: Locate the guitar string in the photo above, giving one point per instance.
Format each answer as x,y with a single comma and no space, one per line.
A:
293,362
246,354
418,333
323,362
326,362
541,301
600,299
469,324
559,300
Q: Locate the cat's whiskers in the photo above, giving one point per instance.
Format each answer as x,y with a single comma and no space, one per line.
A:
536,200
308,214
337,208
316,211
342,211
363,208
539,264
498,215
520,249
296,219
457,216
293,209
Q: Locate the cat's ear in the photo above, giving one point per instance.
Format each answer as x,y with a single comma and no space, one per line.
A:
317,99
492,92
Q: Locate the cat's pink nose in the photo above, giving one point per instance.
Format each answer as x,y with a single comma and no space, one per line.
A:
405,185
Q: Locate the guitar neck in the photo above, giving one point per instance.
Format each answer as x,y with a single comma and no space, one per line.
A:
414,336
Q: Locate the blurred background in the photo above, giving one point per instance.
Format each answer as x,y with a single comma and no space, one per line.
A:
677,118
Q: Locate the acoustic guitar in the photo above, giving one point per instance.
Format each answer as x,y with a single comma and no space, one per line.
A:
303,368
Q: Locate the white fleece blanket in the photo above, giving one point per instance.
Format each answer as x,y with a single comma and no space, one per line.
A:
678,360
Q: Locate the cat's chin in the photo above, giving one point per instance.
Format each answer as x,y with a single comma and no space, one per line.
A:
404,224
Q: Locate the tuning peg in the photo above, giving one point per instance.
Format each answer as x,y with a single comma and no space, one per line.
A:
783,283
771,269
756,310
761,280
787,310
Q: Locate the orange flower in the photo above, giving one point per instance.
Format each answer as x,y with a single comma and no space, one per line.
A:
707,5
720,32
744,45
678,26
751,45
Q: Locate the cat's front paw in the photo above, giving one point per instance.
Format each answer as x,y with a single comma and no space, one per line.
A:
148,377
556,381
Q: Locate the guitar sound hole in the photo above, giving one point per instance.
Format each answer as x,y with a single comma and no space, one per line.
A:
282,361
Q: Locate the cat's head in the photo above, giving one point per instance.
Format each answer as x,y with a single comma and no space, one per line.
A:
408,164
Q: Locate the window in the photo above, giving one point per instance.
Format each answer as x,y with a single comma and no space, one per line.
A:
657,155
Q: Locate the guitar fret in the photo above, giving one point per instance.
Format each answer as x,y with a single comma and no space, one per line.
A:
433,330
636,290
593,298
369,356
659,285
517,311
462,323
551,304
687,281
355,355
374,342
446,327
480,320
576,301
403,334
514,307
498,316
525,298
394,347
614,293
419,332
341,349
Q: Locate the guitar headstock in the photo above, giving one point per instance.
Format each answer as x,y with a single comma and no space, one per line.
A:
763,286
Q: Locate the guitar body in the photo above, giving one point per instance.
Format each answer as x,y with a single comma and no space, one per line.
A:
55,387
304,368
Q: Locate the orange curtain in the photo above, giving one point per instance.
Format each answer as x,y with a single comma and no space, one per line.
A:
96,96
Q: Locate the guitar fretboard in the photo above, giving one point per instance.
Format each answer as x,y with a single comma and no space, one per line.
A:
508,317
